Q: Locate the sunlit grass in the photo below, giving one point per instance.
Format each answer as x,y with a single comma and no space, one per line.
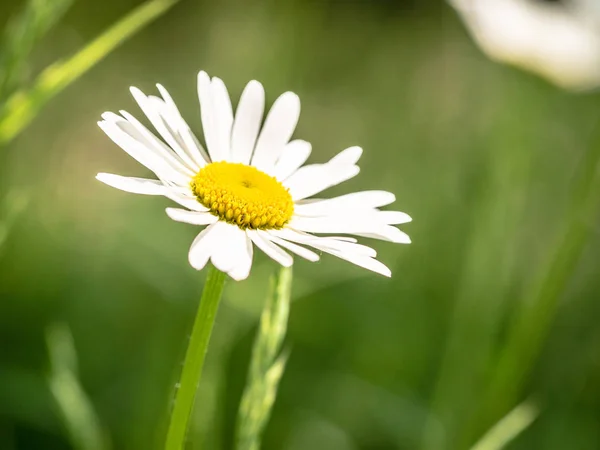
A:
23,106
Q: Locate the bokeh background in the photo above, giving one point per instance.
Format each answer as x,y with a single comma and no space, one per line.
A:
494,304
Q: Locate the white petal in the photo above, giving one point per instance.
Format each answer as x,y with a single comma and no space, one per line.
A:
310,180
133,185
166,123
353,201
248,118
193,147
325,243
279,127
328,244
191,217
348,157
162,118
365,262
244,263
133,128
261,239
144,154
223,118
207,113
298,250
387,233
230,248
294,154
357,227
354,253
202,247
370,216
344,238
187,201
393,217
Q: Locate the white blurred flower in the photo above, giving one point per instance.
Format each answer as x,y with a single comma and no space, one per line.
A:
250,187
557,40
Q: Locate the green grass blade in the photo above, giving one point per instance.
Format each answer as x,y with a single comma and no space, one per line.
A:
507,429
77,411
20,37
23,106
12,207
267,364
527,334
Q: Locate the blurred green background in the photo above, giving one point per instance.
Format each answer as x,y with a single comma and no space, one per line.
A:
495,302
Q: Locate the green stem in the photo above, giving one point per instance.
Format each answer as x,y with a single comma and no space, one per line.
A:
194,359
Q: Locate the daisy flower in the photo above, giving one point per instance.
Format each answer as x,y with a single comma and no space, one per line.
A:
248,185
559,40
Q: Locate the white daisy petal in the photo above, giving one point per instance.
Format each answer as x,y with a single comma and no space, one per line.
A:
310,180
393,217
132,127
344,238
353,202
371,216
191,217
242,269
223,118
298,250
162,119
133,185
193,147
277,131
202,247
294,154
187,201
142,154
248,118
358,227
132,139
328,242
387,233
350,156
208,116
365,262
354,253
262,241
230,248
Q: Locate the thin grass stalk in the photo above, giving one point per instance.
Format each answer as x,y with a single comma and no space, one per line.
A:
527,335
267,364
23,106
20,37
508,428
76,409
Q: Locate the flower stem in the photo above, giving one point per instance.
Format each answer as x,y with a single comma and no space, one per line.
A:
194,359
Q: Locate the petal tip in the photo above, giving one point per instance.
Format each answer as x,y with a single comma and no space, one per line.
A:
238,276
135,91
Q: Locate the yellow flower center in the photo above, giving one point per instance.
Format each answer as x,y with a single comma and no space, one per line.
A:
243,195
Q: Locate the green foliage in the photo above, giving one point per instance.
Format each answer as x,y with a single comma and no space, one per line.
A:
23,106
11,207
494,303
21,35
507,429
74,405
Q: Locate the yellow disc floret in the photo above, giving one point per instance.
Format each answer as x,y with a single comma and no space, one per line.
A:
243,195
